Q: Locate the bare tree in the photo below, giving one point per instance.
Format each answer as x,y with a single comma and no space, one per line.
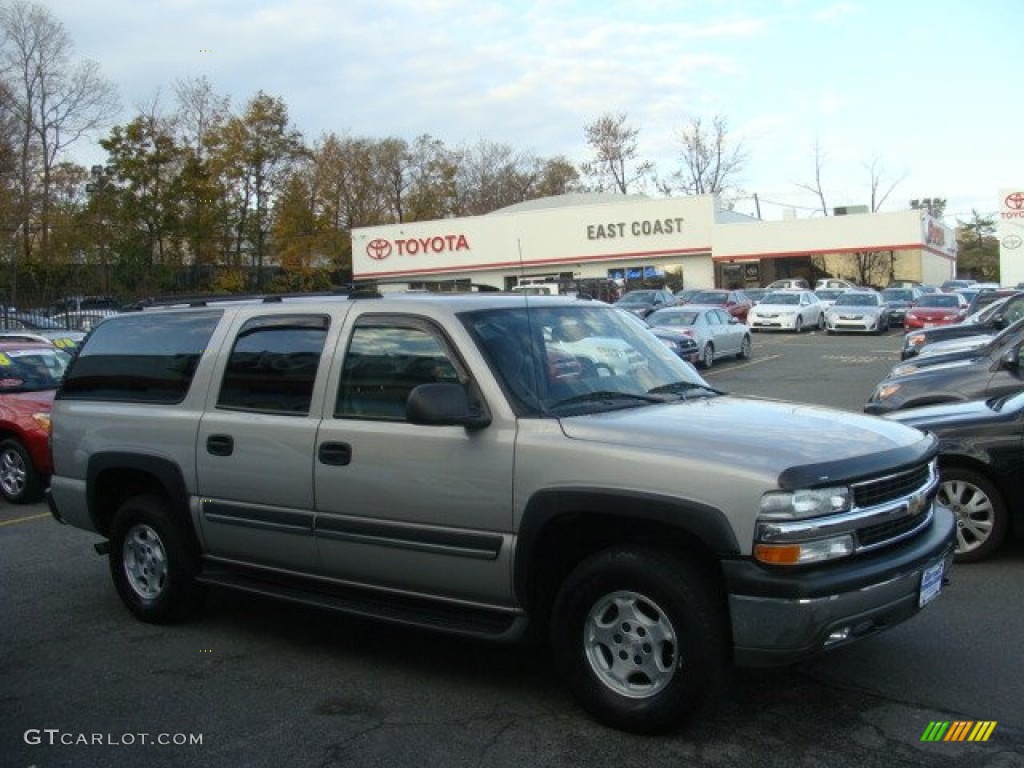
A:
816,188
710,165
200,111
54,101
880,189
615,165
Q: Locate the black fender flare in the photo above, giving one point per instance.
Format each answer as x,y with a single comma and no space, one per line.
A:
704,523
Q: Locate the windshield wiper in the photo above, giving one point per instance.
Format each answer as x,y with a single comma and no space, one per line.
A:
683,387
607,395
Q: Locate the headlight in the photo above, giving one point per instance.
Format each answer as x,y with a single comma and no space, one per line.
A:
885,391
902,370
43,420
797,505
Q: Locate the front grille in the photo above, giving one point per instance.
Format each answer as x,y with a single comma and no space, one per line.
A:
874,535
881,490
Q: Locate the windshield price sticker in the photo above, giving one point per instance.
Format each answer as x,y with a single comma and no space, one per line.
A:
5,360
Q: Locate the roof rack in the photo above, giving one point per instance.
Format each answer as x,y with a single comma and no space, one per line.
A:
375,289
212,299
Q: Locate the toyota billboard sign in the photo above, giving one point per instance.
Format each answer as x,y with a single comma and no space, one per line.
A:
1010,230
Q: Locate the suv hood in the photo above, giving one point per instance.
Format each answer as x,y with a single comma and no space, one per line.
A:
955,345
752,434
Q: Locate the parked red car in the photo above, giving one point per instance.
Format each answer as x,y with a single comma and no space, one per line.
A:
29,375
934,309
736,303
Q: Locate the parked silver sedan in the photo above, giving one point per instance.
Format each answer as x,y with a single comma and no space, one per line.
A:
717,333
864,311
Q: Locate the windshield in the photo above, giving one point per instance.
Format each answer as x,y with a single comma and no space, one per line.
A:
781,298
948,300
637,297
30,370
857,300
567,360
897,294
708,297
673,317
829,294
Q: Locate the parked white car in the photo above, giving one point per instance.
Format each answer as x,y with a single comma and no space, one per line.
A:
787,311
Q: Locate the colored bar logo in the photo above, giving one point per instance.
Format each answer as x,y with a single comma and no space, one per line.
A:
958,730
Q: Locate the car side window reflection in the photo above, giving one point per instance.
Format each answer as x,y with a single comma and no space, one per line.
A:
383,364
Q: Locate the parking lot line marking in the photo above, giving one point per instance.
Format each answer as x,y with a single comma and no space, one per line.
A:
24,519
712,372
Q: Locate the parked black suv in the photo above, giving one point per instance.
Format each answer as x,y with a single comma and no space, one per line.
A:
981,468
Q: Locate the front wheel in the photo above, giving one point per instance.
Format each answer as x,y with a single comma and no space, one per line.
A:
798,326
641,638
981,516
154,561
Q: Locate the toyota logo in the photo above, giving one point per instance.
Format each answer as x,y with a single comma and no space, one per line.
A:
1015,201
378,249
1012,241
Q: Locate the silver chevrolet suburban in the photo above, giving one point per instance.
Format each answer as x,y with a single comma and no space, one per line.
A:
498,466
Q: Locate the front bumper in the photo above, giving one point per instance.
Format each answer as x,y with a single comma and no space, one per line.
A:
782,617
773,323
861,324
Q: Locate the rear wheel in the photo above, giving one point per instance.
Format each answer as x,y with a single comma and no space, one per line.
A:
154,562
640,636
981,515
707,355
20,481
744,349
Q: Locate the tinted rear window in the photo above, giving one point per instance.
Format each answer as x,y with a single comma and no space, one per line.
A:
144,357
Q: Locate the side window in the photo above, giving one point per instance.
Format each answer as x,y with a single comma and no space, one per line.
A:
713,318
273,364
385,361
1013,310
147,357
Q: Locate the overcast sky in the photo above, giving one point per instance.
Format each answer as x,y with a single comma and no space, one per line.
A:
930,89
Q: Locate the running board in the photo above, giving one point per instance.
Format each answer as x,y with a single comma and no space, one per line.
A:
397,609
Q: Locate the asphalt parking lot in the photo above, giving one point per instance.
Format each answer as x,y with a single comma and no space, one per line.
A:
257,683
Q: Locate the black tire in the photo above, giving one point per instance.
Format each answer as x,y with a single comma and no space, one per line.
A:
20,481
154,561
649,672
821,322
798,326
981,514
707,355
744,353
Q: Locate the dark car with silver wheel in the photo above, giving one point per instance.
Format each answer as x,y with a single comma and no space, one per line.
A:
981,468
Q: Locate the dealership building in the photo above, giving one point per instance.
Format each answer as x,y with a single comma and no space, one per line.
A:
688,241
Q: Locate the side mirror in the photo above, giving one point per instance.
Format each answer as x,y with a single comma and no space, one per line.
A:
443,404
999,321
1011,358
